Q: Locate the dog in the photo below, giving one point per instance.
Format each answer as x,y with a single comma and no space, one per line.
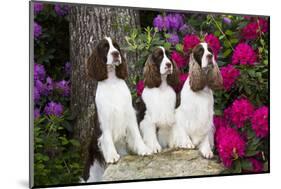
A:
194,116
116,130
158,117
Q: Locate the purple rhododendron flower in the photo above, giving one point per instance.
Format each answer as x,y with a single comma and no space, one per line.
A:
230,145
36,95
38,7
260,122
229,74
37,30
36,113
186,29
227,20
173,39
158,22
40,87
140,87
49,85
178,59
39,72
61,10
53,108
174,21
244,54
189,42
63,87
240,111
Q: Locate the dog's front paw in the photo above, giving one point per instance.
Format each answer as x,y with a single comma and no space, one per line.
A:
190,145
143,151
208,154
112,158
155,148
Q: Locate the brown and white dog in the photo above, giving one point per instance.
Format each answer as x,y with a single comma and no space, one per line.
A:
159,97
116,125
194,116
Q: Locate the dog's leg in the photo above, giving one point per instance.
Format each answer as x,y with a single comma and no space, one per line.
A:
107,147
205,147
148,130
96,172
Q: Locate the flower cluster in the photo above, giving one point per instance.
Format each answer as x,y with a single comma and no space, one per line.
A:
61,10
53,108
170,22
229,74
230,145
173,39
244,54
179,59
214,43
38,7
253,29
182,78
260,122
189,42
239,112
37,30
257,166
140,87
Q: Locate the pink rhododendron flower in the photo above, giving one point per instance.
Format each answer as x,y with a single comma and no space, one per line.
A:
260,122
182,79
214,43
256,165
252,30
189,42
229,74
140,87
244,54
220,121
230,145
179,59
240,111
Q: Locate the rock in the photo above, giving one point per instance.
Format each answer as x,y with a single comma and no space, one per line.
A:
169,163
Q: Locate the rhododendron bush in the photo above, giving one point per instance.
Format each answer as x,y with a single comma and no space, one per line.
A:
240,46
56,154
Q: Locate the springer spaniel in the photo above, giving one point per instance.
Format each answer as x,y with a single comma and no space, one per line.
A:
194,116
116,123
159,98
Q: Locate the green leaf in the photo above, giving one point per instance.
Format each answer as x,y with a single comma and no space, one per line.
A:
237,166
246,165
179,47
227,52
228,32
74,142
167,45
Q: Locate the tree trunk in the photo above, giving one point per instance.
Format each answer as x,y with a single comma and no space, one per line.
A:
88,25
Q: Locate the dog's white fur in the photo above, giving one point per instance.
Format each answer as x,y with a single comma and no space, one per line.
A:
117,119
194,116
160,111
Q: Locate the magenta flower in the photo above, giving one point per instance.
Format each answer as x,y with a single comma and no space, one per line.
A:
179,59
38,7
36,113
63,87
239,112
244,54
37,30
229,74
230,145
260,122
257,165
61,10
53,108
253,29
140,87
173,39
214,43
39,72
182,78
220,121
189,42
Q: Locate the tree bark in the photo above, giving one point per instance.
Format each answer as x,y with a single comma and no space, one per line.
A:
88,25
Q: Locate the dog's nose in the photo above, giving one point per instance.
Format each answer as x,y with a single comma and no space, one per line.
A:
168,65
115,54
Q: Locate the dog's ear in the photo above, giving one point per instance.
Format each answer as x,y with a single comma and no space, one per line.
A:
197,78
173,79
152,77
122,69
214,78
96,67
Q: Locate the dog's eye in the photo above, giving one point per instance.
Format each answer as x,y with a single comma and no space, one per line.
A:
210,50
